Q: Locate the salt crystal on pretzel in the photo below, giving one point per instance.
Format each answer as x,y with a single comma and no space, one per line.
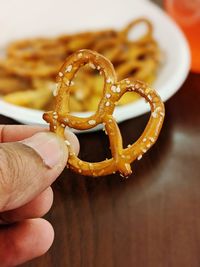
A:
121,157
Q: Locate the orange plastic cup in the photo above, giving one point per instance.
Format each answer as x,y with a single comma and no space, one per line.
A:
187,14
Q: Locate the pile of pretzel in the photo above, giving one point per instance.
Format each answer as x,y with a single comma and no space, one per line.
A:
28,71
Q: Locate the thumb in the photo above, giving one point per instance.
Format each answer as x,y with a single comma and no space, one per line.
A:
28,167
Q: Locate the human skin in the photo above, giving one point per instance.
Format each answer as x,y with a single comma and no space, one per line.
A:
31,159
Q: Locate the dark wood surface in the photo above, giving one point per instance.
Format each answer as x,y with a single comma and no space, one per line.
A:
151,219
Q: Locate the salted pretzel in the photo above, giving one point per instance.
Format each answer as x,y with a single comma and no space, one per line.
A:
112,92
144,38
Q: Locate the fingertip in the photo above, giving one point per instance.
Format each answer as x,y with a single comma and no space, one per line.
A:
42,203
35,238
25,241
49,147
46,235
36,208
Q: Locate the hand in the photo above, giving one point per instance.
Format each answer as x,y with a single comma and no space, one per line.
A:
30,161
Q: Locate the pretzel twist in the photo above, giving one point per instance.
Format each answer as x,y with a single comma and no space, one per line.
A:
112,92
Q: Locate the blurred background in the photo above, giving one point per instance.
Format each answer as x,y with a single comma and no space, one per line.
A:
151,219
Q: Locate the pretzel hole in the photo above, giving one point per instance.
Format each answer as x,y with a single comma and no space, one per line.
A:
138,31
142,57
127,98
128,71
132,131
98,142
86,90
132,72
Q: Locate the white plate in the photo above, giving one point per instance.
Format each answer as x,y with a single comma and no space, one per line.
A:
22,18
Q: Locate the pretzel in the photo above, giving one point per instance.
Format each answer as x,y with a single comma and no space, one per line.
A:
36,48
42,48
112,92
143,39
29,98
140,69
32,68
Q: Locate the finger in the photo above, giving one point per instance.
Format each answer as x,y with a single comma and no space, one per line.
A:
38,207
13,133
29,167
71,137
24,241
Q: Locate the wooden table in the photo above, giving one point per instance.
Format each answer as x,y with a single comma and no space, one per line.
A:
151,219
